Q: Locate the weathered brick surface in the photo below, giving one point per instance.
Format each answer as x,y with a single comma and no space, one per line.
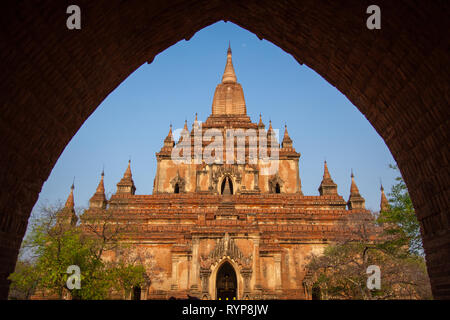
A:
398,77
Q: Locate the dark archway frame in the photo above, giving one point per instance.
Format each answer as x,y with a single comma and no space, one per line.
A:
226,269
54,78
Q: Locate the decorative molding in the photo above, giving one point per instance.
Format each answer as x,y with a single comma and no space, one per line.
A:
226,247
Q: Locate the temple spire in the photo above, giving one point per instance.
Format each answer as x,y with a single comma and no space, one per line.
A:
384,203
98,200
128,171
229,75
67,217
194,125
168,141
126,184
326,173
184,134
70,203
101,185
355,201
327,186
287,141
229,95
354,188
260,124
270,130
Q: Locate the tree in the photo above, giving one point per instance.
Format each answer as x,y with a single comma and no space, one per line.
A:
401,220
391,242
52,245
23,281
341,273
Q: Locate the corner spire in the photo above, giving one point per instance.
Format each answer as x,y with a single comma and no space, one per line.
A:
128,171
195,124
355,200
184,134
98,200
67,217
126,184
326,173
287,141
260,123
168,141
70,203
354,188
101,186
327,186
384,203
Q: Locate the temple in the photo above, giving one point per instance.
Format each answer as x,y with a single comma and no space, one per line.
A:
227,228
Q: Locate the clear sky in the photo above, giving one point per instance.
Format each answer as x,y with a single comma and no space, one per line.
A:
134,119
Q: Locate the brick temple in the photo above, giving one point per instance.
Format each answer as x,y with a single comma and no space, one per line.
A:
223,230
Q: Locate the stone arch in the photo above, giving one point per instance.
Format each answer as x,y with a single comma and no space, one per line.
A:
137,293
227,179
226,282
397,77
215,269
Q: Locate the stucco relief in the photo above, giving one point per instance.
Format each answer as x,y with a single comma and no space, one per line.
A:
226,247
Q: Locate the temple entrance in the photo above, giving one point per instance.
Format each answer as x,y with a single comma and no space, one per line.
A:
277,188
226,283
227,186
136,293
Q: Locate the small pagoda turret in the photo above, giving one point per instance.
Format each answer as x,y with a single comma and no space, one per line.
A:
126,184
327,186
98,200
355,201
67,216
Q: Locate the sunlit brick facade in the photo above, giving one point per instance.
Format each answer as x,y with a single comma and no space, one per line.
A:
228,231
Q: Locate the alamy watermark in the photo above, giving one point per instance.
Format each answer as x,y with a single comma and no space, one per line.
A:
74,20
374,20
74,280
374,280
230,146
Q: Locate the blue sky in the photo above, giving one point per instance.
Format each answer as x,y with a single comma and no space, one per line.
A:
134,119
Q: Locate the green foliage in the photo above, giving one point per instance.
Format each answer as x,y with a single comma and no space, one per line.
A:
401,218
128,276
53,247
340,271
23,281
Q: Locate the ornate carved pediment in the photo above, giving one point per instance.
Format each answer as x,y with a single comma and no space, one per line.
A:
231,171
180,181
226,247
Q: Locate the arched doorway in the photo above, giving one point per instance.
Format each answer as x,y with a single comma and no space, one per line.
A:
226,283
227,186
137,293
176,188
316,292
277,188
